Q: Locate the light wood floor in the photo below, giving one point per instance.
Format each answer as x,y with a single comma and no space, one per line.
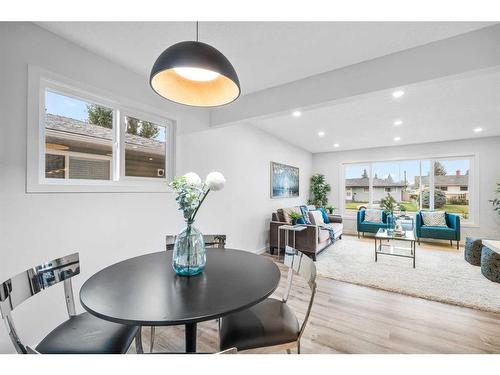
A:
347,318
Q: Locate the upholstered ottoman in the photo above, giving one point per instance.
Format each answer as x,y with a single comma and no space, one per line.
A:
490,264
472,253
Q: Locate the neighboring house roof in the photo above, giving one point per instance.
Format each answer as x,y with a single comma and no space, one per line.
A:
63,124
448,180
377,182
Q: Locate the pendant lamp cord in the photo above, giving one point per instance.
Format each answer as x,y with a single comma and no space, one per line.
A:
196,30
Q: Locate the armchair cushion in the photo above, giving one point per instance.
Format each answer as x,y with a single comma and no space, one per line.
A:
373,216
434,218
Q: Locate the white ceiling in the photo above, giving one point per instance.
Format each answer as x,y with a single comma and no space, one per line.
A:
440,110
264,54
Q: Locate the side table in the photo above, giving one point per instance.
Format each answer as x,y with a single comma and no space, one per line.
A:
288,228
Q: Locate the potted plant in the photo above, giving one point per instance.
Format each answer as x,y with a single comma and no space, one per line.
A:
319,190
389,204
294,216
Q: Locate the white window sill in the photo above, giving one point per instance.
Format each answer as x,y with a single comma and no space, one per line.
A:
100,187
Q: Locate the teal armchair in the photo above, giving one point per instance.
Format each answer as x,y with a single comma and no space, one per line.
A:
451,232
368,226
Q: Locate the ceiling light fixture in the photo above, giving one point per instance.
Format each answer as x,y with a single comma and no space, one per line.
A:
195,74
397,139
398,94
296,113
478,130
321,134
398,122
336,145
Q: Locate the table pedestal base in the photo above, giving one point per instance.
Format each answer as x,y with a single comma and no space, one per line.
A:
190,335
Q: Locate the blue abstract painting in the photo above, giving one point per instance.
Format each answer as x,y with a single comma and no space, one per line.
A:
284,181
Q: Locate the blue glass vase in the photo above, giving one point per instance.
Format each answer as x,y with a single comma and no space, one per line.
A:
390,223
189,257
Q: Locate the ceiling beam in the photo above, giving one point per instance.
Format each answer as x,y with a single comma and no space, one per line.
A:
479,49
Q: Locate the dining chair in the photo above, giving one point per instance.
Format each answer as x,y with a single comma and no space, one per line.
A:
271,323
81,333
211,241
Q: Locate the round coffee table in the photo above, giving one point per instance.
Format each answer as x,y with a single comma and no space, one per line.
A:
145,291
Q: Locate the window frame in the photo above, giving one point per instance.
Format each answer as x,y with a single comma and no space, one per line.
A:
473,215
39,81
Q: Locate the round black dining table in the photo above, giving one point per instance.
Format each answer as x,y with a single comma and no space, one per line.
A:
145,290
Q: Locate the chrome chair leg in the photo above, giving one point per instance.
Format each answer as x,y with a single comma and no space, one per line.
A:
152,340
138,342
298,347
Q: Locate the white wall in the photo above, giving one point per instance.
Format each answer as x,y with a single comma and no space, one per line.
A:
243,154
108,227
488,171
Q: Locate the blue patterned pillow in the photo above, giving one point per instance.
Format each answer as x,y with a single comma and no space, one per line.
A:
326,219
305,214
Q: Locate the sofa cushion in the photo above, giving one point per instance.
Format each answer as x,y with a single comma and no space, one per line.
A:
305,214
283,214
316,217
434,218
326,219
323,235
373,215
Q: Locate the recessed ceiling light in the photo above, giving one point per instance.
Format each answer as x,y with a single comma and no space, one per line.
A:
398,122
336,145
296,113
321,134
478,130
150,159
397,138
398,94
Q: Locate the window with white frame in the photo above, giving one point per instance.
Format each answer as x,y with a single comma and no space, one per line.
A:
88,142
443,183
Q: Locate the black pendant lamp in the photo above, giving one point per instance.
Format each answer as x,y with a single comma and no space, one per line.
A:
195,74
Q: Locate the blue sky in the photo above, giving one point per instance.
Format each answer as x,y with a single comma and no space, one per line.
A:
66,106
412,167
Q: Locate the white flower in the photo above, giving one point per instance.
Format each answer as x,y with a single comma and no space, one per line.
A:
215,181
192,179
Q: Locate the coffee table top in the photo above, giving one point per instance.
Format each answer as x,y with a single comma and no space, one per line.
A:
384,234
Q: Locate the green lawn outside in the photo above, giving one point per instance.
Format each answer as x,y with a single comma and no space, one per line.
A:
413,207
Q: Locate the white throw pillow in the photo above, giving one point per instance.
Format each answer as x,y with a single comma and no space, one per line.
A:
316,218
434,218
373,215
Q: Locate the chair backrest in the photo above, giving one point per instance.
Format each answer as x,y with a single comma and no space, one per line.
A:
19,288
211,240
300,264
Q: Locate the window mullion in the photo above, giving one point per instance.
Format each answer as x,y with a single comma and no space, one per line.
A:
370,179
431,184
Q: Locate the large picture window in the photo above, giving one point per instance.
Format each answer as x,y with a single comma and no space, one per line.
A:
81,140
428,184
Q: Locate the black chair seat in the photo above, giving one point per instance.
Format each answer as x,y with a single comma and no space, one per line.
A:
86,334
268,323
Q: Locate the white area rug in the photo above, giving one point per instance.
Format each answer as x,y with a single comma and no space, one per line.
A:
439,275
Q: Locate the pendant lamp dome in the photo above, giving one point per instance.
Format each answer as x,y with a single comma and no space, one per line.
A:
196,74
